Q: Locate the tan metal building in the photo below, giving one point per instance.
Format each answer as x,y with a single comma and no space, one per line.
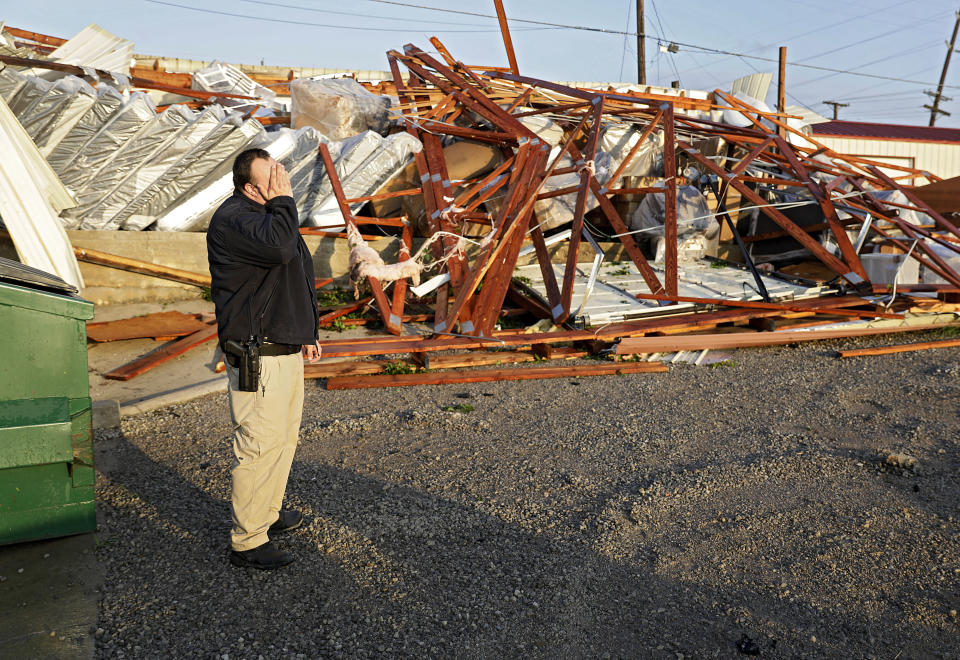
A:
932,149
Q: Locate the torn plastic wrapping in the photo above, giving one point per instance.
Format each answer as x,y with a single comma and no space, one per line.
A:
555,212
123,125
389,157
907,215
10,83
697,228
152,168
70,111
108,102
198,205
617,141
130,155
338,108
546,129
41,116
214,157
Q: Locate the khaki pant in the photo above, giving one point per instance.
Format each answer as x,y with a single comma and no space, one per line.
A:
266,425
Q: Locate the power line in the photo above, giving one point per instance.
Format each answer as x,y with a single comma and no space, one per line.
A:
924,21
704,49
350,13
820,29
911,49
673,62
309,24
623,56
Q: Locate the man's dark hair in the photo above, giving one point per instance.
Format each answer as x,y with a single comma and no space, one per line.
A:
241,166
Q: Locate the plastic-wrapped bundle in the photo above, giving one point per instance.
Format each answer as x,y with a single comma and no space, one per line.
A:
389,157
10,83
131,155
108,102
350,155
213,157
199,204
697,228
135,115
617,140
303,162
30,92
51,116
338,108
153,167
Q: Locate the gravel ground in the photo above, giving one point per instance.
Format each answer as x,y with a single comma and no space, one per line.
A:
666,516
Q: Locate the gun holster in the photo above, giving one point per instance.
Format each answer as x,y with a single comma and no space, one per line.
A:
246,359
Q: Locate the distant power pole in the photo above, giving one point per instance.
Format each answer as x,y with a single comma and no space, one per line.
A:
782,90
836,106
641,50
935,108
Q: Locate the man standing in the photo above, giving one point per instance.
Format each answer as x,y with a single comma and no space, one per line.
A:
263,289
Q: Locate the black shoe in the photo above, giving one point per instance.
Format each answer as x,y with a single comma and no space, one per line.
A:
288,520
265,557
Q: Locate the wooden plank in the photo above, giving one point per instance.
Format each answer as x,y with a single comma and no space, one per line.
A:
750,304
391,322
141,267
161,324
492,375
387,345
342,310
164,354
488,358
899,348
722,341
349,368
670,267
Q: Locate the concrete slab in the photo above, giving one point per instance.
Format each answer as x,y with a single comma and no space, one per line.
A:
186,377
50,598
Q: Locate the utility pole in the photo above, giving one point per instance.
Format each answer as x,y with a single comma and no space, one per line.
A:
836,106
935,108
782,91
641,50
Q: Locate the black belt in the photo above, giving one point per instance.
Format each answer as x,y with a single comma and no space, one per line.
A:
269,348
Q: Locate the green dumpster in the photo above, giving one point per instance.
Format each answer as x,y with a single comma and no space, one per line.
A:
46,438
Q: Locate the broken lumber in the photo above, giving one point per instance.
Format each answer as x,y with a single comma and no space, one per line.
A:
899,348
161,324
491,375
141,267
488,358
163,354
634,345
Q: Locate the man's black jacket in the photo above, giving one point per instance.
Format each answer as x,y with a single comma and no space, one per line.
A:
261,267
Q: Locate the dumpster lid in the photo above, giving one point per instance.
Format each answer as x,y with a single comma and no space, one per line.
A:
18,273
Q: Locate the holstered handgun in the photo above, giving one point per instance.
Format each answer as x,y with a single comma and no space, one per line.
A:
247,357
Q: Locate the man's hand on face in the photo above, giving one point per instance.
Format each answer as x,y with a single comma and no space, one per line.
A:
312,352
278,185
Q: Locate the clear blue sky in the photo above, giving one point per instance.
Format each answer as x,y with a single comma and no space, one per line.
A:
904,39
